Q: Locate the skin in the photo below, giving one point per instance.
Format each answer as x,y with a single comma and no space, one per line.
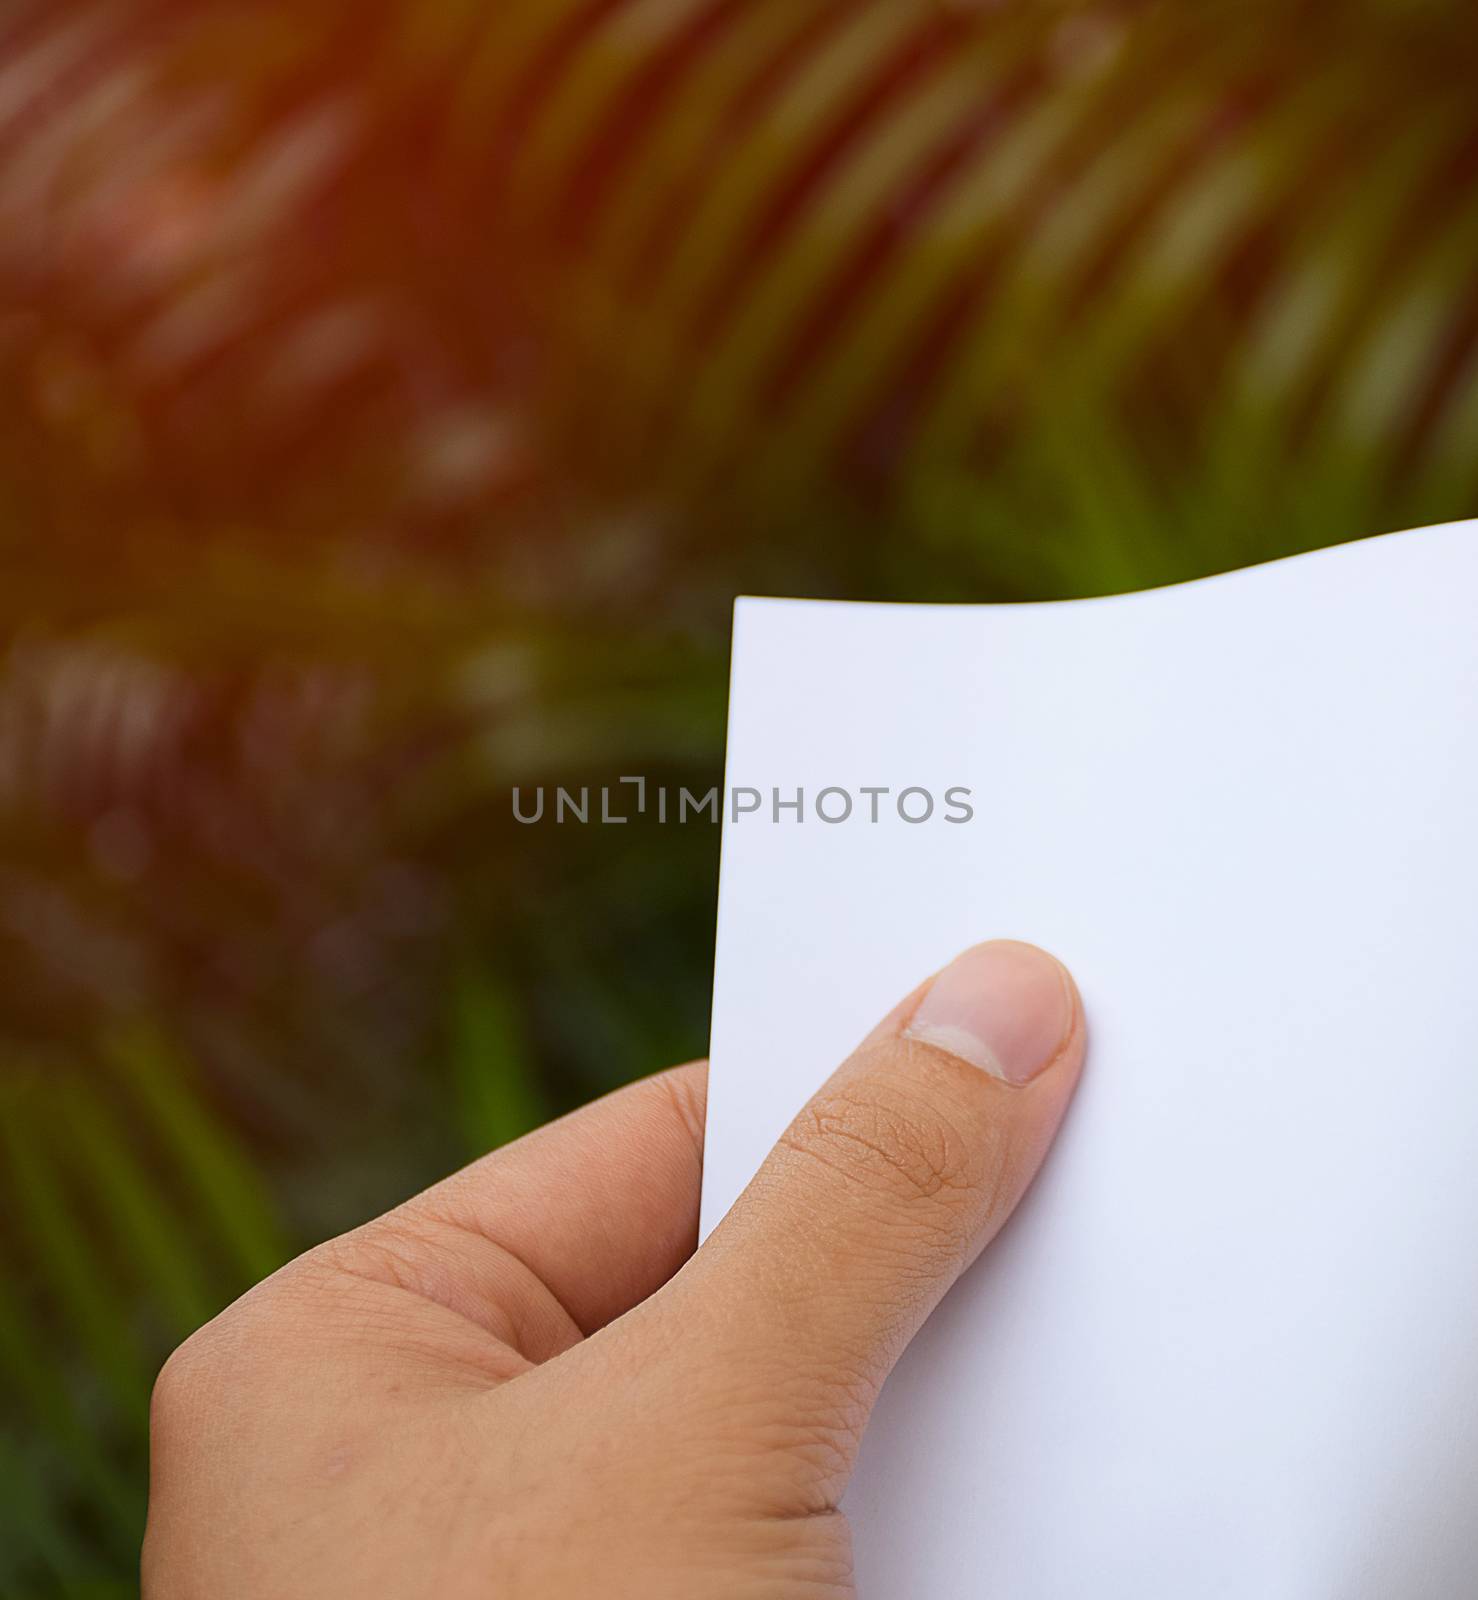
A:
527,1382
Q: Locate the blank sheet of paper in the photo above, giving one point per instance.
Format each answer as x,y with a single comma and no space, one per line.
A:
1229,1345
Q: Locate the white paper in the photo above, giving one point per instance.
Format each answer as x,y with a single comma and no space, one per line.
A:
1229,1345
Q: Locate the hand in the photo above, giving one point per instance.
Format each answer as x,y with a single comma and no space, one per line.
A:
513,1386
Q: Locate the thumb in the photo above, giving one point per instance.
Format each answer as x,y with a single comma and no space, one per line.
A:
886,1186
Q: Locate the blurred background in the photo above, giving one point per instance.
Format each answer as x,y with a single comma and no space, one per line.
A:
394,394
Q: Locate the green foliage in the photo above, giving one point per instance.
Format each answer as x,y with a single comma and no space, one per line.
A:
494,1077
130,1218
393,396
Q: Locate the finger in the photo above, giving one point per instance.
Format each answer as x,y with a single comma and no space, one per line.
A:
889,1183
555,1235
